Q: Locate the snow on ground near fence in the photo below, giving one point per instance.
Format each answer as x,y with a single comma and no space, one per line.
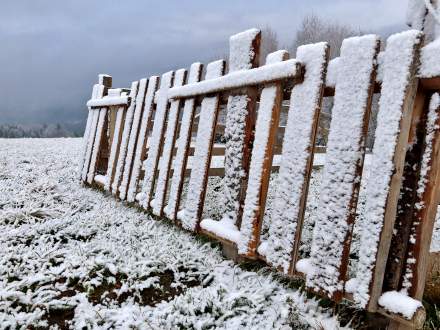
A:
70,252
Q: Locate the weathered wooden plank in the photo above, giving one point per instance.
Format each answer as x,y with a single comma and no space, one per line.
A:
261,161
428,198
168,146
141,143
152,160
87,133
183,146
92,133
280,248
134,132
109,101
120,163
408,192
343,167
383,188
240,123
241,78
100,128
116,140
191,213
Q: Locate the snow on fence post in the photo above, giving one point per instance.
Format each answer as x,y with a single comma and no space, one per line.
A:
261,161
191,213
427,200
168,146
128,120
99,91
142,137
240,122
155,144
115,134
128,164
280,248
343,167
399,87
183,144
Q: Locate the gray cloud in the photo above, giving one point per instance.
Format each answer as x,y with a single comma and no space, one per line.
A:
52,50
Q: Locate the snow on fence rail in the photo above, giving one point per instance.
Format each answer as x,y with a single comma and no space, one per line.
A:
141,143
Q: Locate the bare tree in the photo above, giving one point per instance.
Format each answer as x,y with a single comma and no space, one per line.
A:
315,29
269,43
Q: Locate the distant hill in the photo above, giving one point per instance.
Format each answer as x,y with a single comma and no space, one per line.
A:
71,129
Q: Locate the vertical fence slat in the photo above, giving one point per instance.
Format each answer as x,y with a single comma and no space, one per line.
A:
125,138
97,144
297,158
99,90
183,144
168,147
261,161
141,143
399,87
87,132
408,192
140,98
343,166
116,136
192,212
155,143
428,198
240,121
92,134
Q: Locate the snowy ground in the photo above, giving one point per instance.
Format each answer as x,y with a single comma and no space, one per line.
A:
69,253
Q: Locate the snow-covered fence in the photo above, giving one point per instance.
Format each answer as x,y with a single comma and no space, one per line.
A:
138,144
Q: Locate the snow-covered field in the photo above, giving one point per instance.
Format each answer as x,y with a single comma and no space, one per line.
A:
70,253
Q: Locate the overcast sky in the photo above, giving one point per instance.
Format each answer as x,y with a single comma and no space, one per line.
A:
51,51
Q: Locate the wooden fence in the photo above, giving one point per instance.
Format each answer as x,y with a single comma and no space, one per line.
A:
141,142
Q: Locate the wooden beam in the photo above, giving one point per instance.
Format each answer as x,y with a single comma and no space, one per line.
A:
241,78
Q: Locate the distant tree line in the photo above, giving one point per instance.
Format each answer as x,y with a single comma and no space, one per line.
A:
38,131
